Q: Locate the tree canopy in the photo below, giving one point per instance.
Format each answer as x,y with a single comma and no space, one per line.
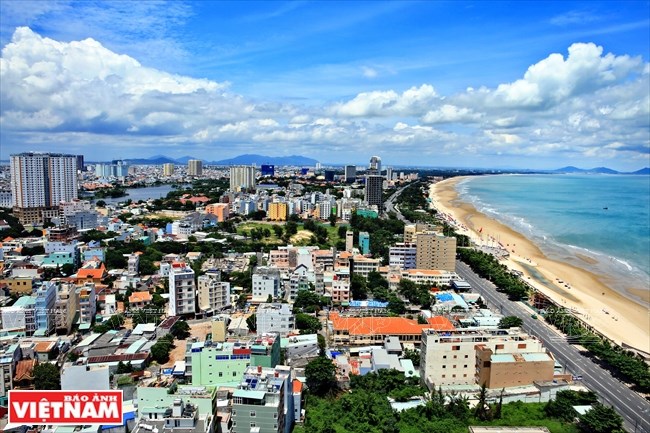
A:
47,376
320,374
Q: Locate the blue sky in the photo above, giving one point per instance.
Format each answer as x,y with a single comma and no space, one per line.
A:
471,84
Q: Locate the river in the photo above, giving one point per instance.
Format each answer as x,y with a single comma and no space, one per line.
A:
137,194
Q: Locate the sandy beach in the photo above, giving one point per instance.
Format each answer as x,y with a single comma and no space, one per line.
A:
614,315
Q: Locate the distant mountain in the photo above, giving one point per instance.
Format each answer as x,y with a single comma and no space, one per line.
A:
645,171
597,170
184,159
261,159
568,169
154,160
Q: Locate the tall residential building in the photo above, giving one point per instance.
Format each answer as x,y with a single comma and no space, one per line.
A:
364,243
39,182
278,211
195,167
350,173
182,290
80,163
44,305
242,177
213,294
435,251
349,240
375,166
168,169
220,210
373,191
389,173
403,256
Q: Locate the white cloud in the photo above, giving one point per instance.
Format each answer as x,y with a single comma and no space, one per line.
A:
386,103
450,113
555,78
369,72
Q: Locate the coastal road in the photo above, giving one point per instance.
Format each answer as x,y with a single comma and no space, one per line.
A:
390,207
634,409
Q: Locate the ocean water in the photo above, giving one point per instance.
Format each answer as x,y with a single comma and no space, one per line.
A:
603,217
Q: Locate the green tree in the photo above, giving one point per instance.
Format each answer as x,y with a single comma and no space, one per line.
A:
332,220
160,350
321,379
181,330
322,345
600,419
307,324
510,322
358,287
251,321
47,376
242,300
308,301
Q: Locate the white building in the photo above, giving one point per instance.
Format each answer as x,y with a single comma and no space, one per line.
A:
195,167
21,316
266,282
182,290
242,177
87,300
450,357
213,294
39,182
274,317
6,199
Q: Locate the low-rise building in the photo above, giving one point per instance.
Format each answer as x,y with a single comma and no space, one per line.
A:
214,363
363,331
452,357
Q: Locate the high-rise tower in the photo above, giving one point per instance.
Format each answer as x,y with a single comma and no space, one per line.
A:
39,182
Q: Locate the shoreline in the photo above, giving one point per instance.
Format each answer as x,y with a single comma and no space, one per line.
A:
611,313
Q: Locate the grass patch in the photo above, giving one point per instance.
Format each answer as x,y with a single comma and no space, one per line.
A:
528,415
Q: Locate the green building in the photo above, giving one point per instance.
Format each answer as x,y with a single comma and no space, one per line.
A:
367,213
263,401
160,393
213,363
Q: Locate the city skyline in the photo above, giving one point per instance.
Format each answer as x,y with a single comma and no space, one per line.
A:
536,85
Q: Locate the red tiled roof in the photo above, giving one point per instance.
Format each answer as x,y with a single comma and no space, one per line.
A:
386,325
297,385
25,370
140,297
44,346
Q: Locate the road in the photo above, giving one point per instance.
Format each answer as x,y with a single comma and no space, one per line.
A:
634,409
390,207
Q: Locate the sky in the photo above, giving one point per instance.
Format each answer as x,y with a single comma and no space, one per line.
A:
537,85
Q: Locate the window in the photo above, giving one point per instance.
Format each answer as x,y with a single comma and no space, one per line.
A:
466,356
521,346
220,374
443,376
253,415
275,415
252,424
455,347
444,366
465,366
444,356
454,365
499,346
234,373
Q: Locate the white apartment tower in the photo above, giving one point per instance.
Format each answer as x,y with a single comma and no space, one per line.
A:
182,290
168,169
39,182
195,167
242,177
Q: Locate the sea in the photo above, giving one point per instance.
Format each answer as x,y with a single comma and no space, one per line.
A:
604,218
